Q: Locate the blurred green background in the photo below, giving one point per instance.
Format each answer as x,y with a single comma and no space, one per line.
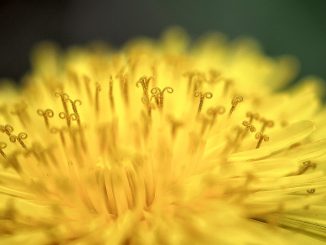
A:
294,27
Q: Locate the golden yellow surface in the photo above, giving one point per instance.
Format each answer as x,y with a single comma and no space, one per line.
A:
162,142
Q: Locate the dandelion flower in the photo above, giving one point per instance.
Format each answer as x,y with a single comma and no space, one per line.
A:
162,142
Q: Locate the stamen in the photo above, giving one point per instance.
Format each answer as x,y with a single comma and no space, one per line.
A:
20,111
238,131
175,125
252,116
214,111
20,137
235,101
97,97
154,73
233,143
72,76
69,117
64,98
73,133
284,123
227,85
125,89
205,122
38,151
132,64
111,93
61,134
88,88
190,76
261,137
266,123
248,124
144,82
195,80
123,86
214,76
305,166
48,113
2,147
82,139
202,97
311,191
158,94
147,122
7,129
4,111
199,79
74,104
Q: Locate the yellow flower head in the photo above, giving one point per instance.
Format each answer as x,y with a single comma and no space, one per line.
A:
162,142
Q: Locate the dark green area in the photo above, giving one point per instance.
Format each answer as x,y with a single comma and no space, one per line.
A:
295,27
282,27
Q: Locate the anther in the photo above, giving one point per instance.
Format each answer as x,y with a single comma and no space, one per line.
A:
202,97
158,94
48,113
2,147
20,138
235,101
261,137
214,111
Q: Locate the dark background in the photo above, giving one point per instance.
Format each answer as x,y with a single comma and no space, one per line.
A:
296,27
